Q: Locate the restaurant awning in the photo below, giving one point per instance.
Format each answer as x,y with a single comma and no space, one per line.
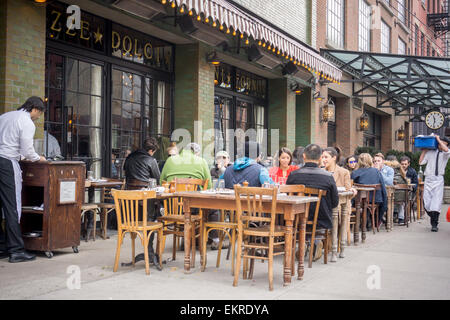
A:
401,82
230,16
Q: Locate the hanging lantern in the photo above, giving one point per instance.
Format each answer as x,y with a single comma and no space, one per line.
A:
363,123
400,134
328,112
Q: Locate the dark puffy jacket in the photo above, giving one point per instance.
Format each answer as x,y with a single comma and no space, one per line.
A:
139,165
245,169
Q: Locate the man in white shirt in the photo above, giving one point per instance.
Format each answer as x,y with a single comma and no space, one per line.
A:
16,140
436,161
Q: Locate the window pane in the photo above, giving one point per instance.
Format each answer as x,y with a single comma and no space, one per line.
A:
72,75
84,77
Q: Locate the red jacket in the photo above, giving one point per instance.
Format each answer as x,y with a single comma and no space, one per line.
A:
277,174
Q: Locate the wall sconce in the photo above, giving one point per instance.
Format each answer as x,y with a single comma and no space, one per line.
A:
363,122
400,134
212,58
295,87
328,112
318,97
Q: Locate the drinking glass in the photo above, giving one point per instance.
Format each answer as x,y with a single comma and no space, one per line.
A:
90,175
152,183
221,185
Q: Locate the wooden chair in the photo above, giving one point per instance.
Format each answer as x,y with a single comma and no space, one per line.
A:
127,205
406,200
294,190
173,219
89,207
325,234
106,205
227,228
372,207
251,201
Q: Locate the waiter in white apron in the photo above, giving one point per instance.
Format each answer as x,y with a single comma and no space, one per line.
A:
436,161
16,141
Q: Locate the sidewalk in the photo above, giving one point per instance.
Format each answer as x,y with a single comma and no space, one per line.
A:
414,263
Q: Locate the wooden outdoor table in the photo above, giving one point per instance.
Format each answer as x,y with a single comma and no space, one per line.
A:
339,225
288,206
390,190
362,195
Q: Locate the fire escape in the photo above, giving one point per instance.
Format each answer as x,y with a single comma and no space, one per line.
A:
440,22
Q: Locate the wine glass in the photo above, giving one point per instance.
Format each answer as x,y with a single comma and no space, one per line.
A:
152,183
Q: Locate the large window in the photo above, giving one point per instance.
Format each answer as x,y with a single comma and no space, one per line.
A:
335,22
74,116
402,10
385,38
372,138
239,103
364,26
401,46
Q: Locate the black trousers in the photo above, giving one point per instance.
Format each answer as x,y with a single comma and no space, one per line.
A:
434,217
8,204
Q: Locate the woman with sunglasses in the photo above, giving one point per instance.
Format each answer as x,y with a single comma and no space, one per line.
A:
351,163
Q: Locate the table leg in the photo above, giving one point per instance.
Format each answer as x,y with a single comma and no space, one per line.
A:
343,227
358,219
288,252
389,212
301,245
364,220
187,235
334,234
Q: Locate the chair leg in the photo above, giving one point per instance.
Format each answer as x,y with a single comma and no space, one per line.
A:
146,258
174,247
372,213
133,247
325,249
238,259
119,244
252,263
270,256
160,246
193,246
245,261
94,228
311,251
204,242
233,250
219,250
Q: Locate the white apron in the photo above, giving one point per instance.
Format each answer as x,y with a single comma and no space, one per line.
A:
433,193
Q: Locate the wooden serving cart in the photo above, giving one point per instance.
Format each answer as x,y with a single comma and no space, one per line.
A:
59,186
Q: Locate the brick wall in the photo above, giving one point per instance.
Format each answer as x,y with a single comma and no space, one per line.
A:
295,17
194,94
281,113
22,54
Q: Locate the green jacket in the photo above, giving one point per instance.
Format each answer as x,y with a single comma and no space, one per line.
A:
186,165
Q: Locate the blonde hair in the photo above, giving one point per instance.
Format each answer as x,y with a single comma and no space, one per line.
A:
365,160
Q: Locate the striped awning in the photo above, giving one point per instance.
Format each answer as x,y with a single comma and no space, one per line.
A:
222,13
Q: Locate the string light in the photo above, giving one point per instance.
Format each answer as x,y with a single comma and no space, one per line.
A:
190,12
259,43
181,10
214,24
246,41
234,33
173,4
207,20
163,1
228,30
199,18
268,48
242,36
221,27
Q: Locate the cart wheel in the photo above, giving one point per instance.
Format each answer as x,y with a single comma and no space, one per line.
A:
49,254
75,249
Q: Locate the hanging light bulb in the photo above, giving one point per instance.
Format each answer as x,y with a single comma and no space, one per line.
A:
190,12
259,42
228,30
199,18
268,48
181,9
221,27
163,1
173,4
214,24
246,41
207,20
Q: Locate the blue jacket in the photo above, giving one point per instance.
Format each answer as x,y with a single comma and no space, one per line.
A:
388,175
246,169
372,176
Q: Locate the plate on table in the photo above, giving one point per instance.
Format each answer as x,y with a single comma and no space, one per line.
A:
341,189
208,192
226,191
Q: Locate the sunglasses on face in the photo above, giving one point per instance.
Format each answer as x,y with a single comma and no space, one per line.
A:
352,162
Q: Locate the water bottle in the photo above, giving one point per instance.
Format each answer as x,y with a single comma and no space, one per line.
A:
420,174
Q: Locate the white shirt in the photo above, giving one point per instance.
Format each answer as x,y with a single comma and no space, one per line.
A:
16,136
53,146
430,160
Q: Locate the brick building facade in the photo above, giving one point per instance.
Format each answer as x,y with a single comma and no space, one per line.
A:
119,97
